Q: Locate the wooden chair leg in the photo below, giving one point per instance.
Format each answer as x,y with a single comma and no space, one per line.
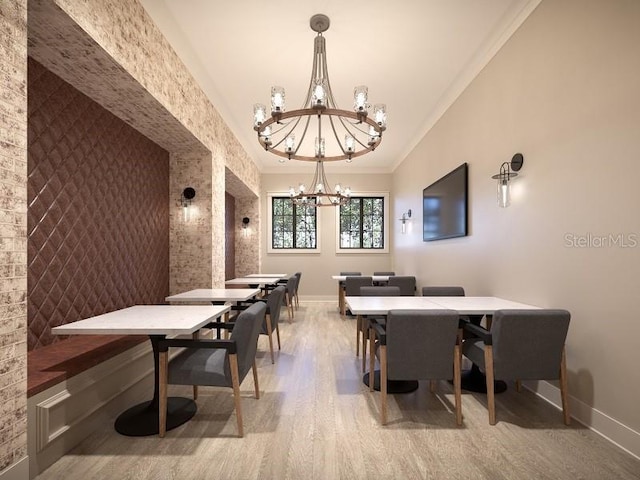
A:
287,298
457,379
267,319
278,335
233,364
564,389
432,386
518,386
372,358
365,337
163,365
489,321
491,401
256,386
358,329
383,384
341,303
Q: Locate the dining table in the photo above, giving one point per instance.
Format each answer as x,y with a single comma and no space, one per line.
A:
157,322
472,379
341,288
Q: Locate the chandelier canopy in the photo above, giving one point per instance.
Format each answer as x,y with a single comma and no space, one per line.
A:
337,134
320,194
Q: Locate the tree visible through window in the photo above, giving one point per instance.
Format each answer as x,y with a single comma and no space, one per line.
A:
362,223
292,226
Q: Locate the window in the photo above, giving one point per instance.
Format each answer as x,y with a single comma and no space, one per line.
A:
361,225
292,227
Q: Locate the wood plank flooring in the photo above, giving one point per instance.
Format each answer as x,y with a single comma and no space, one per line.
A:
316,420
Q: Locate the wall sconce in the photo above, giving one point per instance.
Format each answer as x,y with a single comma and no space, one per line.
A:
188,195
507,172
245,226
405,216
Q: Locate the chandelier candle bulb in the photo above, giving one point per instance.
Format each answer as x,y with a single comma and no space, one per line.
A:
380,114
349,144
259,114
360,95
290,143
277,100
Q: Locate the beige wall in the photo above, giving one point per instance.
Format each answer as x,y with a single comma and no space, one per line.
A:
565,92
317,268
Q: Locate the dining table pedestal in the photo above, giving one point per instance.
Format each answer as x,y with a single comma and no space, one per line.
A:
393,386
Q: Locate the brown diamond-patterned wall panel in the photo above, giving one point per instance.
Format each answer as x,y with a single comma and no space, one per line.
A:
98,216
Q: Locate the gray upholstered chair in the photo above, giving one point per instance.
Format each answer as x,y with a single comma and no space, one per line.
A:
406,283
363,321
272,317
521,345
352,289
298,276
221,363
289,293
418,345
341,290
383,282
447,291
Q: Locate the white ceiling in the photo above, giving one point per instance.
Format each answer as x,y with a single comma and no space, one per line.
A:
416,56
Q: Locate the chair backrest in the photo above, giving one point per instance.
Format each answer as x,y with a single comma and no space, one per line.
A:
384,273
442,291
274,304
298,277
292,283
351,274
379,291
528,344
421,344
406,283
245,333
353,284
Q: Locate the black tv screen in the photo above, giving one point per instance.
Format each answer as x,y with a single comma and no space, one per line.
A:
444,206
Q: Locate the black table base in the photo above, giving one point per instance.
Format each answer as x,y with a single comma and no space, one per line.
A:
393,386
142,420
474,380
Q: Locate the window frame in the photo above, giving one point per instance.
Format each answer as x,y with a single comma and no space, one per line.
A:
304,251
386,222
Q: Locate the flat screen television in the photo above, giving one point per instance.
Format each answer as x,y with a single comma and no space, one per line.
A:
444,206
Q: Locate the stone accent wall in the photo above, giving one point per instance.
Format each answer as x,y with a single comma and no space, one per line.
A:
190,257
13,237
248,242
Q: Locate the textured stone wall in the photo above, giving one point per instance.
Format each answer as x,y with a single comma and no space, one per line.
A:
190,251
13,238
248,241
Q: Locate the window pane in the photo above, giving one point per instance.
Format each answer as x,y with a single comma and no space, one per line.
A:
362,223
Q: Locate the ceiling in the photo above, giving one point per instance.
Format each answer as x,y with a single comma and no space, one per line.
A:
416,56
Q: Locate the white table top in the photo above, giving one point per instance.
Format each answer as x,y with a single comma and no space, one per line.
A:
381,305
464,305
263,275
253,281
146,320
480,305
375,278
215,295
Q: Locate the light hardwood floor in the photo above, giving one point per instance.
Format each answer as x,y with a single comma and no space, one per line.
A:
316,420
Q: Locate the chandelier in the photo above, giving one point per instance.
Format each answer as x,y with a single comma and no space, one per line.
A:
320,196
337,134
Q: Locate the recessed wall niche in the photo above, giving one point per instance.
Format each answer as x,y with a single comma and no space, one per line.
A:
98,210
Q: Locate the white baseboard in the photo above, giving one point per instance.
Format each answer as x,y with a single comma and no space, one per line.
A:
17,471
595,420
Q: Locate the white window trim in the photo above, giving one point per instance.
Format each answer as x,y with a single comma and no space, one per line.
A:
289,251
387,226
